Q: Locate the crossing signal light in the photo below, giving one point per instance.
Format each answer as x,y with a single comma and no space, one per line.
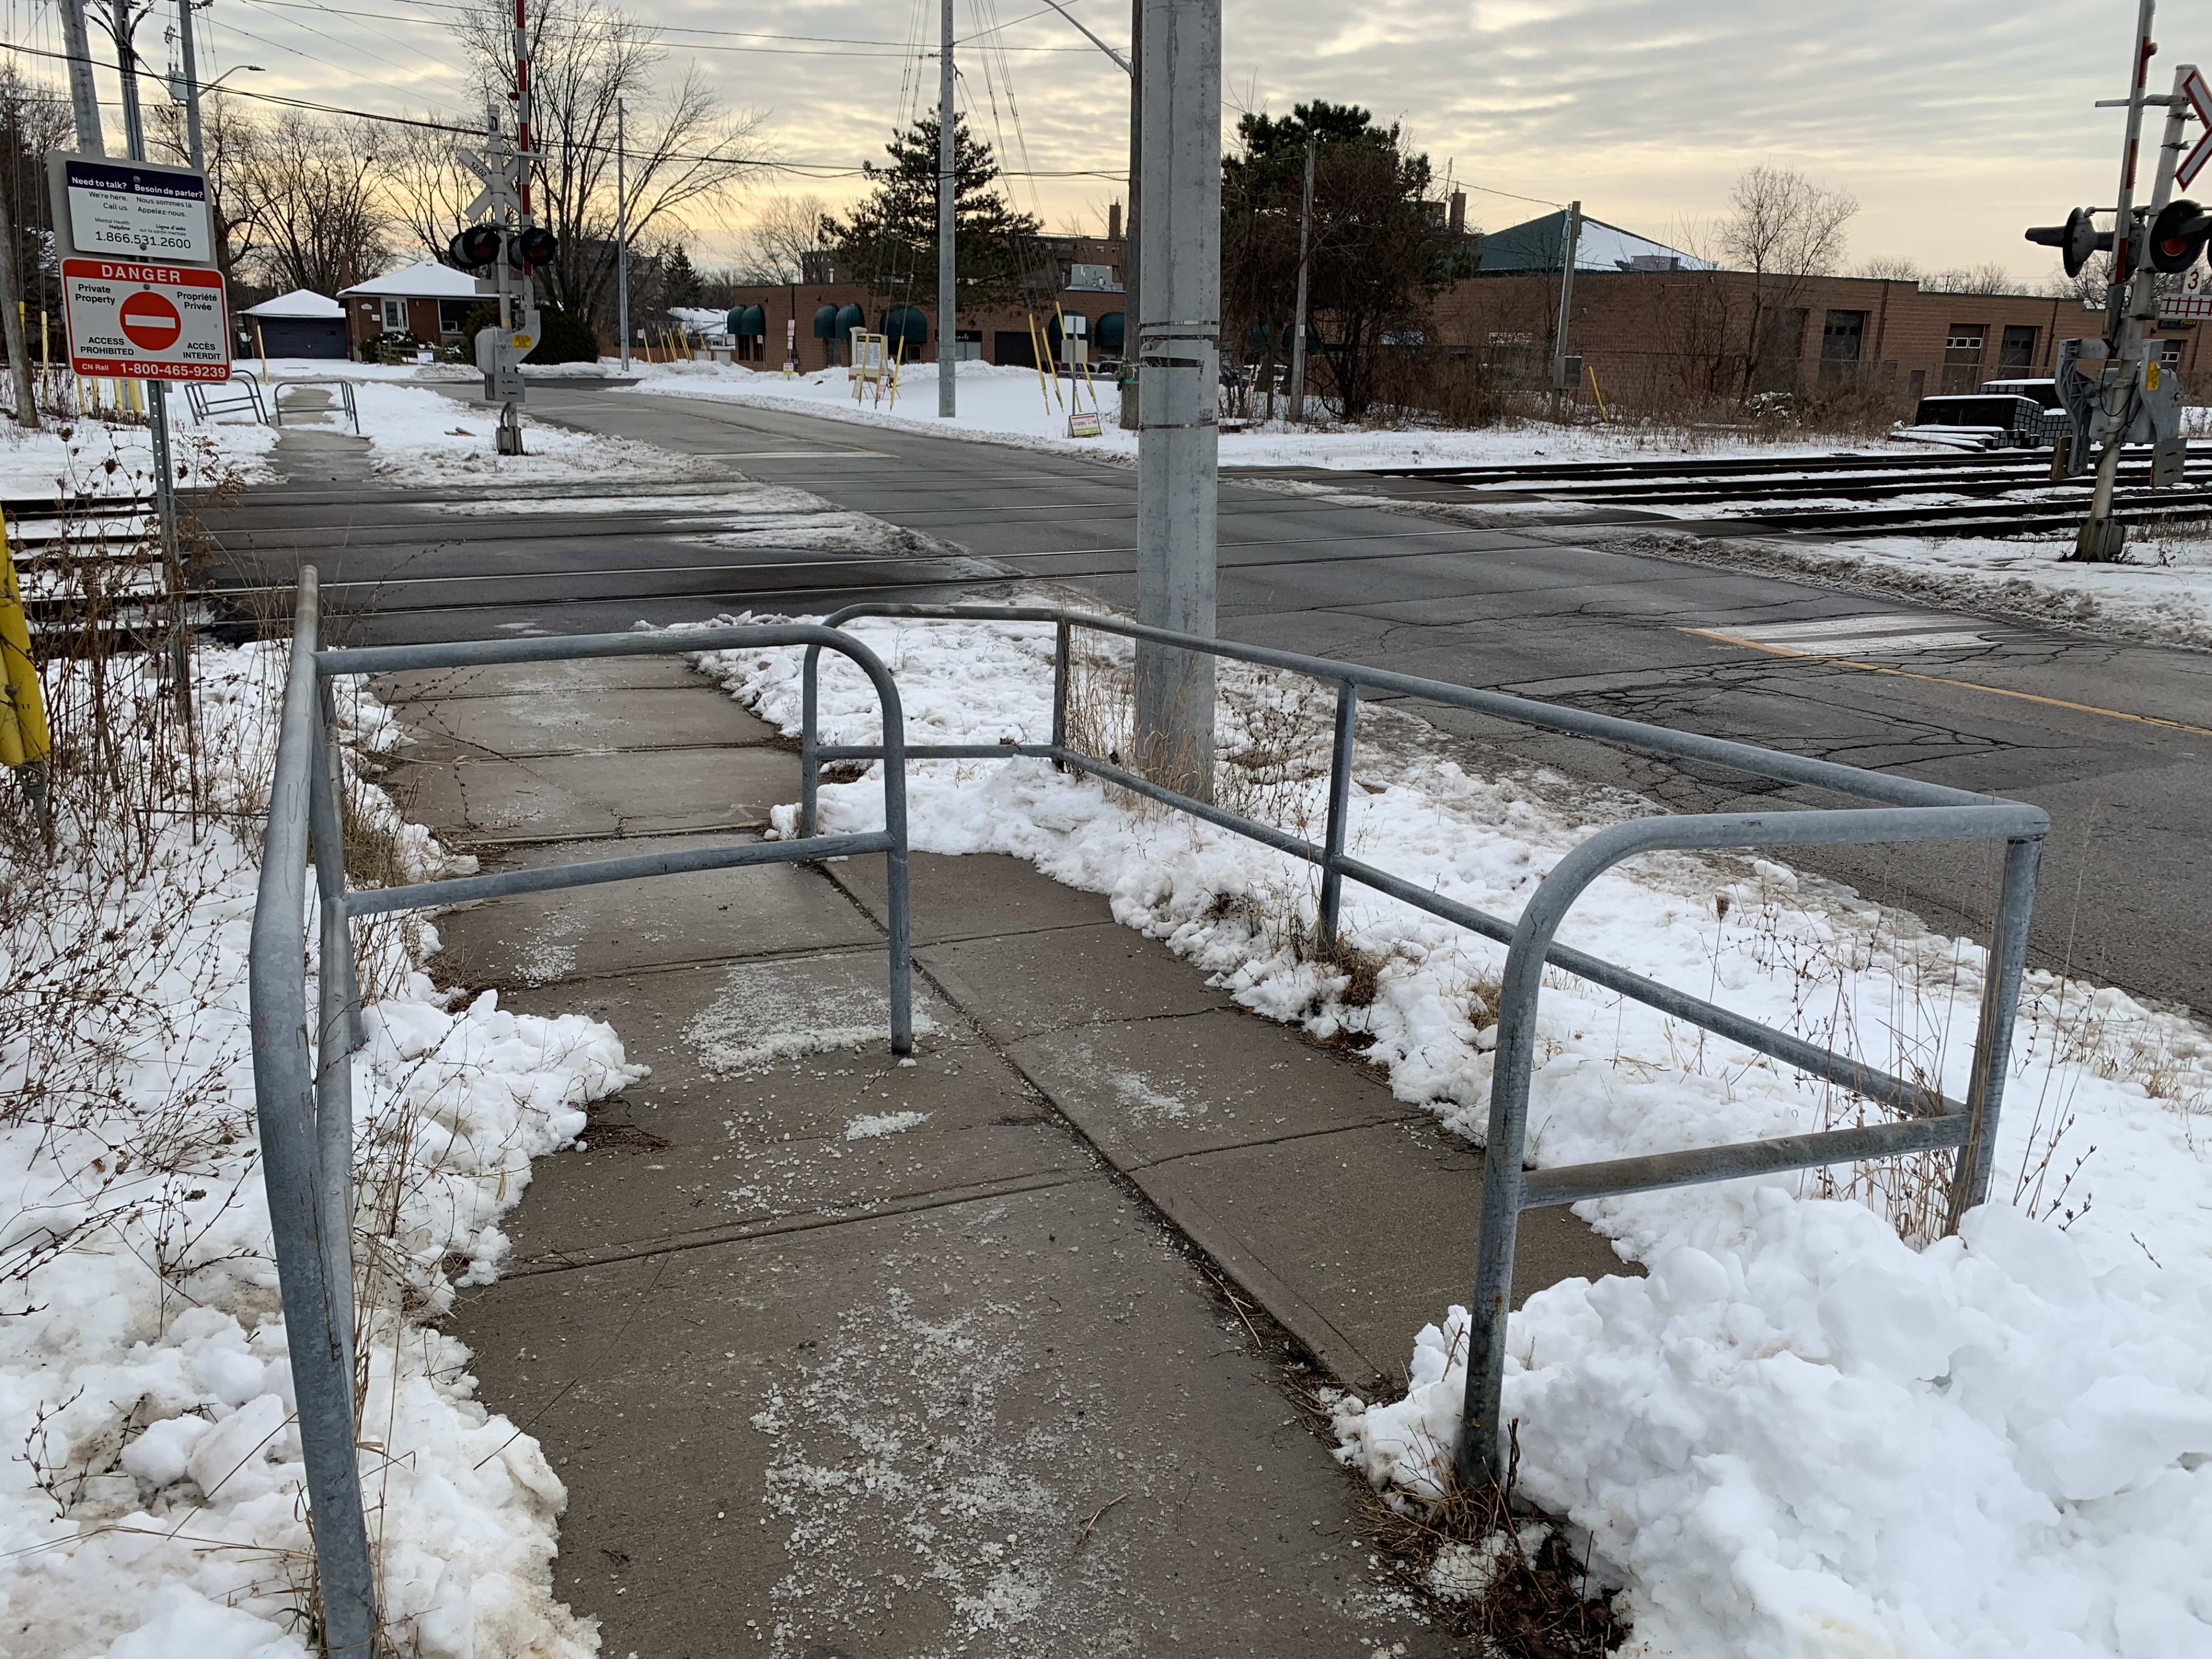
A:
2075,240
2178,235
474,248
533,247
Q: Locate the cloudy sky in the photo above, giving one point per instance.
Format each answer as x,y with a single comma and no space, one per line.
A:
1954,122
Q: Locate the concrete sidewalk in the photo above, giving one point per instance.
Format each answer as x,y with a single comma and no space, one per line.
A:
841,1356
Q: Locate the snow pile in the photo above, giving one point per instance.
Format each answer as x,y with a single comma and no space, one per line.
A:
1804,1438
155,1503
429,438
1798,1436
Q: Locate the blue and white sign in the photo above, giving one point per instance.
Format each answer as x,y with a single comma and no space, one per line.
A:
137,209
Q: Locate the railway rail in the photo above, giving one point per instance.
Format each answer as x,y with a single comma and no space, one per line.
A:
1879,493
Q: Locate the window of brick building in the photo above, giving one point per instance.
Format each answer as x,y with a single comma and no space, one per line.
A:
1962,357
2016,348
1843,342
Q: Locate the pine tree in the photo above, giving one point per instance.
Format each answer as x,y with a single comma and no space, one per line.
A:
890,242
679,281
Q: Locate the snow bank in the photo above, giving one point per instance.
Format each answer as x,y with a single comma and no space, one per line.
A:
154,1506
1005,404
423,437
1799,1435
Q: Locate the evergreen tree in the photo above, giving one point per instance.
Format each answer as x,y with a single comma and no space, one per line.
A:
680,284
888,243
1378,248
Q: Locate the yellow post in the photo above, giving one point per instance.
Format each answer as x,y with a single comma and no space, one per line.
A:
1036,354
262,348
23,737
1591,369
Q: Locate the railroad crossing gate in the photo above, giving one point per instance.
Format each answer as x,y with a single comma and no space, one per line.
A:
145,321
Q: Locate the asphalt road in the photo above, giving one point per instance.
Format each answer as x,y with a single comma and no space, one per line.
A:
2107,736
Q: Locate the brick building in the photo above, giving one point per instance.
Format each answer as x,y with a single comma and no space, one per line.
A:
427,300
1649,335
1083,274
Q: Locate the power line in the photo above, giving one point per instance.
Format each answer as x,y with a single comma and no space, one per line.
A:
656,30
808,169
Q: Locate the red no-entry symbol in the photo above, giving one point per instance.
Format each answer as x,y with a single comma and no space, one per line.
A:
151,322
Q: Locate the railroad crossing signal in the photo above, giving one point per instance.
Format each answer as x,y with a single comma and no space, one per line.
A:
2116,390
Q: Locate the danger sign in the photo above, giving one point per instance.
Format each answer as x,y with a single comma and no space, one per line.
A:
145,321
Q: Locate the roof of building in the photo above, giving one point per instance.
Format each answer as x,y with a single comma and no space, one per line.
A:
1538,245
300,302
426,279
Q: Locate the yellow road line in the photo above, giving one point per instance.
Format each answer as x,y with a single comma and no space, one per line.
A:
1941,679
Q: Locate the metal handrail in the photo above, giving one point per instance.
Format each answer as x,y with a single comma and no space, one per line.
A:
303,1084
1911,810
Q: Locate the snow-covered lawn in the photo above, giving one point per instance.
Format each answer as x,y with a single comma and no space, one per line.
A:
1013,405
1799,1435
97,458
152,1504
2162,593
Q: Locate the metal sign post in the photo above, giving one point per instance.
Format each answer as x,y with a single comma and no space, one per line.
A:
144,300
2114,389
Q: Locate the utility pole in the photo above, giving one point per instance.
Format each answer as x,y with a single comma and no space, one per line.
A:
1574,235
621,237
84,99
126,65
947,199
1178,367
1132,66
508,440
192,85
1132,253
1298,326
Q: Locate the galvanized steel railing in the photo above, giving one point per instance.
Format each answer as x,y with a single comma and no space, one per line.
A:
1909,810
303,1075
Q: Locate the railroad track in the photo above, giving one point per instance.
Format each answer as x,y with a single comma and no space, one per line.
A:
2011,498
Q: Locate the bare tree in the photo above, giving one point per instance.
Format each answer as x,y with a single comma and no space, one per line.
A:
1890,268
230,136
1987,278
427,191
687,151
1784,229
784,230
310,185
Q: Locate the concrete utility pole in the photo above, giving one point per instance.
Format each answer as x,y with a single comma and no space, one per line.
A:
191,84
1178,359
621,237
948,198
84,98
126,65
1299,326
1574,236
1132,264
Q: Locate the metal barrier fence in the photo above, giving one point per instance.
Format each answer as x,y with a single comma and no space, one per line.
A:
303,1076
1909,811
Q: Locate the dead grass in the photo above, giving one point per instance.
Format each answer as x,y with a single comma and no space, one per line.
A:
1487,1564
